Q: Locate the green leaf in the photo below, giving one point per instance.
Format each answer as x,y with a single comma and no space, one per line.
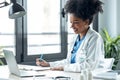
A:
111,45
1,63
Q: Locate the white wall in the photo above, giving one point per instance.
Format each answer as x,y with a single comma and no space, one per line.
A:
118,17
109,19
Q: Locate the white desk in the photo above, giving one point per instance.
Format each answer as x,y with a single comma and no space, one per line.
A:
5,75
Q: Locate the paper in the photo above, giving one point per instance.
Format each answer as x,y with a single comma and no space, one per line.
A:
43,78
106,75
33,68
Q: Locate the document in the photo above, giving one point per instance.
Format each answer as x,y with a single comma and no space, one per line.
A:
33,68
106,75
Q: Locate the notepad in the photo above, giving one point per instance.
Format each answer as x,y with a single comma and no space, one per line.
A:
33,68
106,75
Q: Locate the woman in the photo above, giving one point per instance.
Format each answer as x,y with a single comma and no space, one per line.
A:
87,48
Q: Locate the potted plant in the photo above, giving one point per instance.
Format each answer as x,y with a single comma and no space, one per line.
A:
111,46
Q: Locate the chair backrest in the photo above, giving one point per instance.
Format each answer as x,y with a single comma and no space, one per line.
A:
107,63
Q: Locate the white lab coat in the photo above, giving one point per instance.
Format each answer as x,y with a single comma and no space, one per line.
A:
94,46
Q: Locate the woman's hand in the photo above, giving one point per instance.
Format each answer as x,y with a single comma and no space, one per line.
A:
57,68
42,63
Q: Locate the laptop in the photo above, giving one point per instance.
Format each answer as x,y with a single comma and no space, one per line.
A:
13,66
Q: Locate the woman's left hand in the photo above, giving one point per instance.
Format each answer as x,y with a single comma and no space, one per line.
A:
57,68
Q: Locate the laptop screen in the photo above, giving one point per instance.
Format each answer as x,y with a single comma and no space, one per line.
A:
11,61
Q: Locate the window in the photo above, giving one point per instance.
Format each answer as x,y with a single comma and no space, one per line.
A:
45,29
7,30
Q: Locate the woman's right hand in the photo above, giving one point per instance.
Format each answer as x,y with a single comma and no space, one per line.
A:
42,63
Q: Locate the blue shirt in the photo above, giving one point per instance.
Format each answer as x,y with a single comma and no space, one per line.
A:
75,48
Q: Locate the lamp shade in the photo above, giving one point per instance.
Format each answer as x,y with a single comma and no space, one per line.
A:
16,11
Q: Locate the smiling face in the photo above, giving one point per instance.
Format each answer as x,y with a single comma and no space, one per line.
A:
78,25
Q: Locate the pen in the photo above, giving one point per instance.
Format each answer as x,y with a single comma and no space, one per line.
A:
41,57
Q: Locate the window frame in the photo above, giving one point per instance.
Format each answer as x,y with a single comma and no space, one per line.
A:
21,39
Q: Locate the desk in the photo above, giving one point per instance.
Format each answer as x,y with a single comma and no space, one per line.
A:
5,75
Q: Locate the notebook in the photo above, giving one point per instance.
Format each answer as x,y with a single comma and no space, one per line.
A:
104,74
13,66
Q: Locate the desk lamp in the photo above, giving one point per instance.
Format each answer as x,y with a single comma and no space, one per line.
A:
15,11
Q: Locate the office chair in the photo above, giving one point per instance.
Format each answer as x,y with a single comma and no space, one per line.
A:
107,63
